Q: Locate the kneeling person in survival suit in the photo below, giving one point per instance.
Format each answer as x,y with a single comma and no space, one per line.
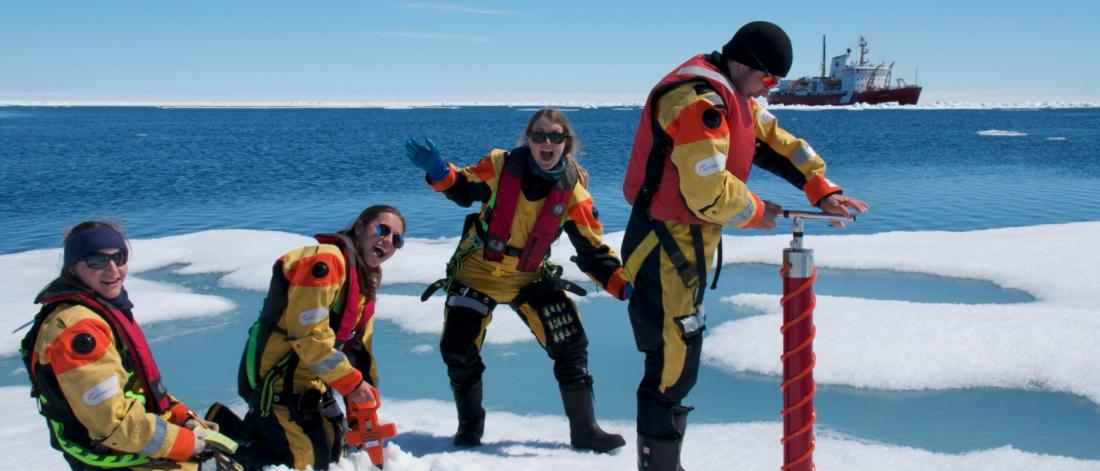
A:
313,336
700,133
92,372
528,197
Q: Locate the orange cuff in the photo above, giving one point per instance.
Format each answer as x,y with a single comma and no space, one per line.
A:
616,283
347,383
817,188
179,414
758,215
446,183
183,447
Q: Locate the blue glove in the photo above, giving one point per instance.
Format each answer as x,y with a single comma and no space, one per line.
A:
427,158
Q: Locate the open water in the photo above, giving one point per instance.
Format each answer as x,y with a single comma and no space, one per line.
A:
173,171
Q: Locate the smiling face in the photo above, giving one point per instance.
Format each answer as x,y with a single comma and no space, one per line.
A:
106,281
376,249
546,153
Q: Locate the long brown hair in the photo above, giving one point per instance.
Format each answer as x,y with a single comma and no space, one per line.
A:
370,278
572,143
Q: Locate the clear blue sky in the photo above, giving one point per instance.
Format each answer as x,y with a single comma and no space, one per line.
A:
492,50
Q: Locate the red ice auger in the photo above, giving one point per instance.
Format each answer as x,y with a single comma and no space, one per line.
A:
798,331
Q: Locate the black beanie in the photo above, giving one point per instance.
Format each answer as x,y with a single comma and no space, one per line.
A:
761,45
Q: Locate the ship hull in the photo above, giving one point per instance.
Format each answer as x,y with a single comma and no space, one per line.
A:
901,96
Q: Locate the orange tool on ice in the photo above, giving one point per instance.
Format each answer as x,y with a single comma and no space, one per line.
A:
364,430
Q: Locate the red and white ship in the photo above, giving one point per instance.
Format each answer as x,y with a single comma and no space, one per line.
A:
846,84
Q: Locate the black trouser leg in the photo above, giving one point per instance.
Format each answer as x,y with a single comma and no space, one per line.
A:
459,347
662,420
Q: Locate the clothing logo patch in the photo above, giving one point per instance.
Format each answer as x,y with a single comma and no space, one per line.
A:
312,316
319,270
710,165
102,391
559,209
83,344
712,118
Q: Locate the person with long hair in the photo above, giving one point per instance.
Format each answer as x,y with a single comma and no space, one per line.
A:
313,337
91,369
528,196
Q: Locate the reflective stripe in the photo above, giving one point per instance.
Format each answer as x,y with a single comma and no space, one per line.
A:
694,322
710,74
159,435
468,303
764,117
312,316
744,216
803,153
328,364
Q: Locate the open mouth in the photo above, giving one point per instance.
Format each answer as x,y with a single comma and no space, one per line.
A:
379,252
546,155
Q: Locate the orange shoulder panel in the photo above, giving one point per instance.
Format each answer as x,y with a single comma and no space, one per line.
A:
484,169
302,272
689,127
582,214
64,358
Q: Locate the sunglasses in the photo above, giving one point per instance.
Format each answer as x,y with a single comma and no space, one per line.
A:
538,137
383,230
769,80
99,260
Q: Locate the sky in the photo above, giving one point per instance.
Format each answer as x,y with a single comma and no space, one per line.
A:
488,51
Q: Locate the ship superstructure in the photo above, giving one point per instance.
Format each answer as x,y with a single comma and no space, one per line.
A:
847,83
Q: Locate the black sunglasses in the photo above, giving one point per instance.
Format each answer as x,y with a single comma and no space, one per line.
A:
383,230
99,260
538,137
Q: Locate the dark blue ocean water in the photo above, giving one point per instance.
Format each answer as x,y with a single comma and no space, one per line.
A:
171,171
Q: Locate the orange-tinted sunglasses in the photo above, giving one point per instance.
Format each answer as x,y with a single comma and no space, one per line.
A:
769,80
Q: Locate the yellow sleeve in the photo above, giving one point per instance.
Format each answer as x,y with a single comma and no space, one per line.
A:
594,257
80,349
315,276
695,119
798,152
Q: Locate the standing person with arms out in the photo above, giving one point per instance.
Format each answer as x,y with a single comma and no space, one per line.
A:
528,197
313,336
700,133
91,369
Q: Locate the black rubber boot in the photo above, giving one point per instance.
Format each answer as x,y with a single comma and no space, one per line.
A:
584,432
657,454
471,416
680,421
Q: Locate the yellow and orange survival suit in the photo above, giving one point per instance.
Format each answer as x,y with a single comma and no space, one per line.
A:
502,258
313,336
696,142
98,387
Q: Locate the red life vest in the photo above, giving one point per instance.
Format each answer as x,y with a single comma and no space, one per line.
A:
351,319
652,142
126,330
502,211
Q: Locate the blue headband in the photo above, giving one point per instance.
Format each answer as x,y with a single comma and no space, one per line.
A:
90,241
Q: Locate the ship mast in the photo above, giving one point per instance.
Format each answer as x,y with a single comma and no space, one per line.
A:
822,55
862,51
